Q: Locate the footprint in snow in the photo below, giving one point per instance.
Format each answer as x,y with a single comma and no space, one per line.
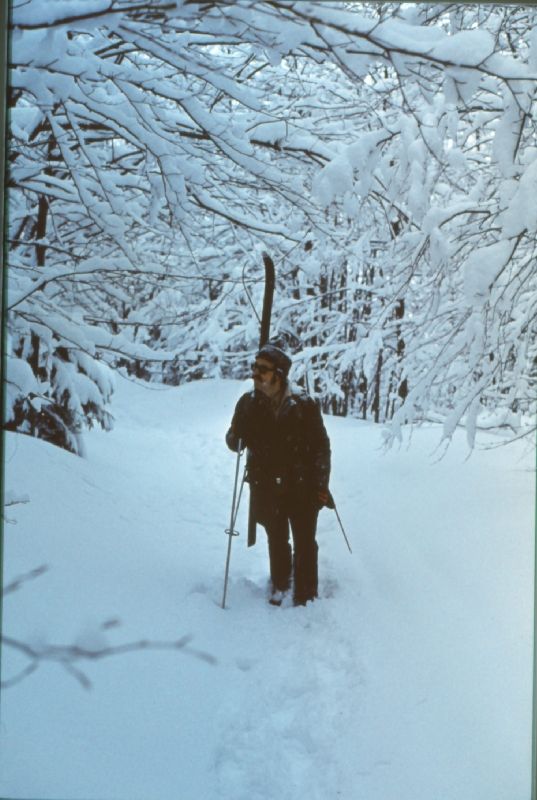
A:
244,664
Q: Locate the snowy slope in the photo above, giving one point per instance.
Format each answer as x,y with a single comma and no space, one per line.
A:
409,679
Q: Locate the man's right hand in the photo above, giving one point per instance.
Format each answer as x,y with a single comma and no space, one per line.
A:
233,441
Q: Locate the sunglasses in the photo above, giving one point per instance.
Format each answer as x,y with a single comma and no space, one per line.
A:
261,368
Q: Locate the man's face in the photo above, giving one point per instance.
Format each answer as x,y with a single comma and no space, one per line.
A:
265,377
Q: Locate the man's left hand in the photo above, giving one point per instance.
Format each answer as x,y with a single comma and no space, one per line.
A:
325,498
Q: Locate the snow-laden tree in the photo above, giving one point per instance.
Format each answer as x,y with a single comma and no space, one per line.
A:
437,253
383,154
452,164
142,138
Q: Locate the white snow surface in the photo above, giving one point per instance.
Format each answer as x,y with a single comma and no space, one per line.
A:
408,679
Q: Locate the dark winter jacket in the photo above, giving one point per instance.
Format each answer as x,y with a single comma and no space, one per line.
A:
291,449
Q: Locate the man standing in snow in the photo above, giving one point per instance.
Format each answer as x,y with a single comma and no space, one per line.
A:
288,469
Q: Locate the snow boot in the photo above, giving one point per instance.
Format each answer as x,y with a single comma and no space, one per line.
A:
276,598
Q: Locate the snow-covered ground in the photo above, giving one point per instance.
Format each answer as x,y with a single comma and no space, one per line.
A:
409,679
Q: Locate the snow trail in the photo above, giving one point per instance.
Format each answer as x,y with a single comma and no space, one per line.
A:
407,679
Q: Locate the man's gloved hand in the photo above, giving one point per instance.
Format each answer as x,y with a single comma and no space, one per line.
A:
233,439
325,498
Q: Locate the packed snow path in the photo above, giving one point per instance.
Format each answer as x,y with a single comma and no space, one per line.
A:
409,678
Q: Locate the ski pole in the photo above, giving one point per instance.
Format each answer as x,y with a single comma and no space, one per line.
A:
341,526
231,532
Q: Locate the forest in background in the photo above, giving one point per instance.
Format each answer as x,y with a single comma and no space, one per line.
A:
383,154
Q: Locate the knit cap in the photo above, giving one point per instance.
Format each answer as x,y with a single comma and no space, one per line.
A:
277,356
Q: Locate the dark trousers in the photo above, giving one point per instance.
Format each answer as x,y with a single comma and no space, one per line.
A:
278,512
